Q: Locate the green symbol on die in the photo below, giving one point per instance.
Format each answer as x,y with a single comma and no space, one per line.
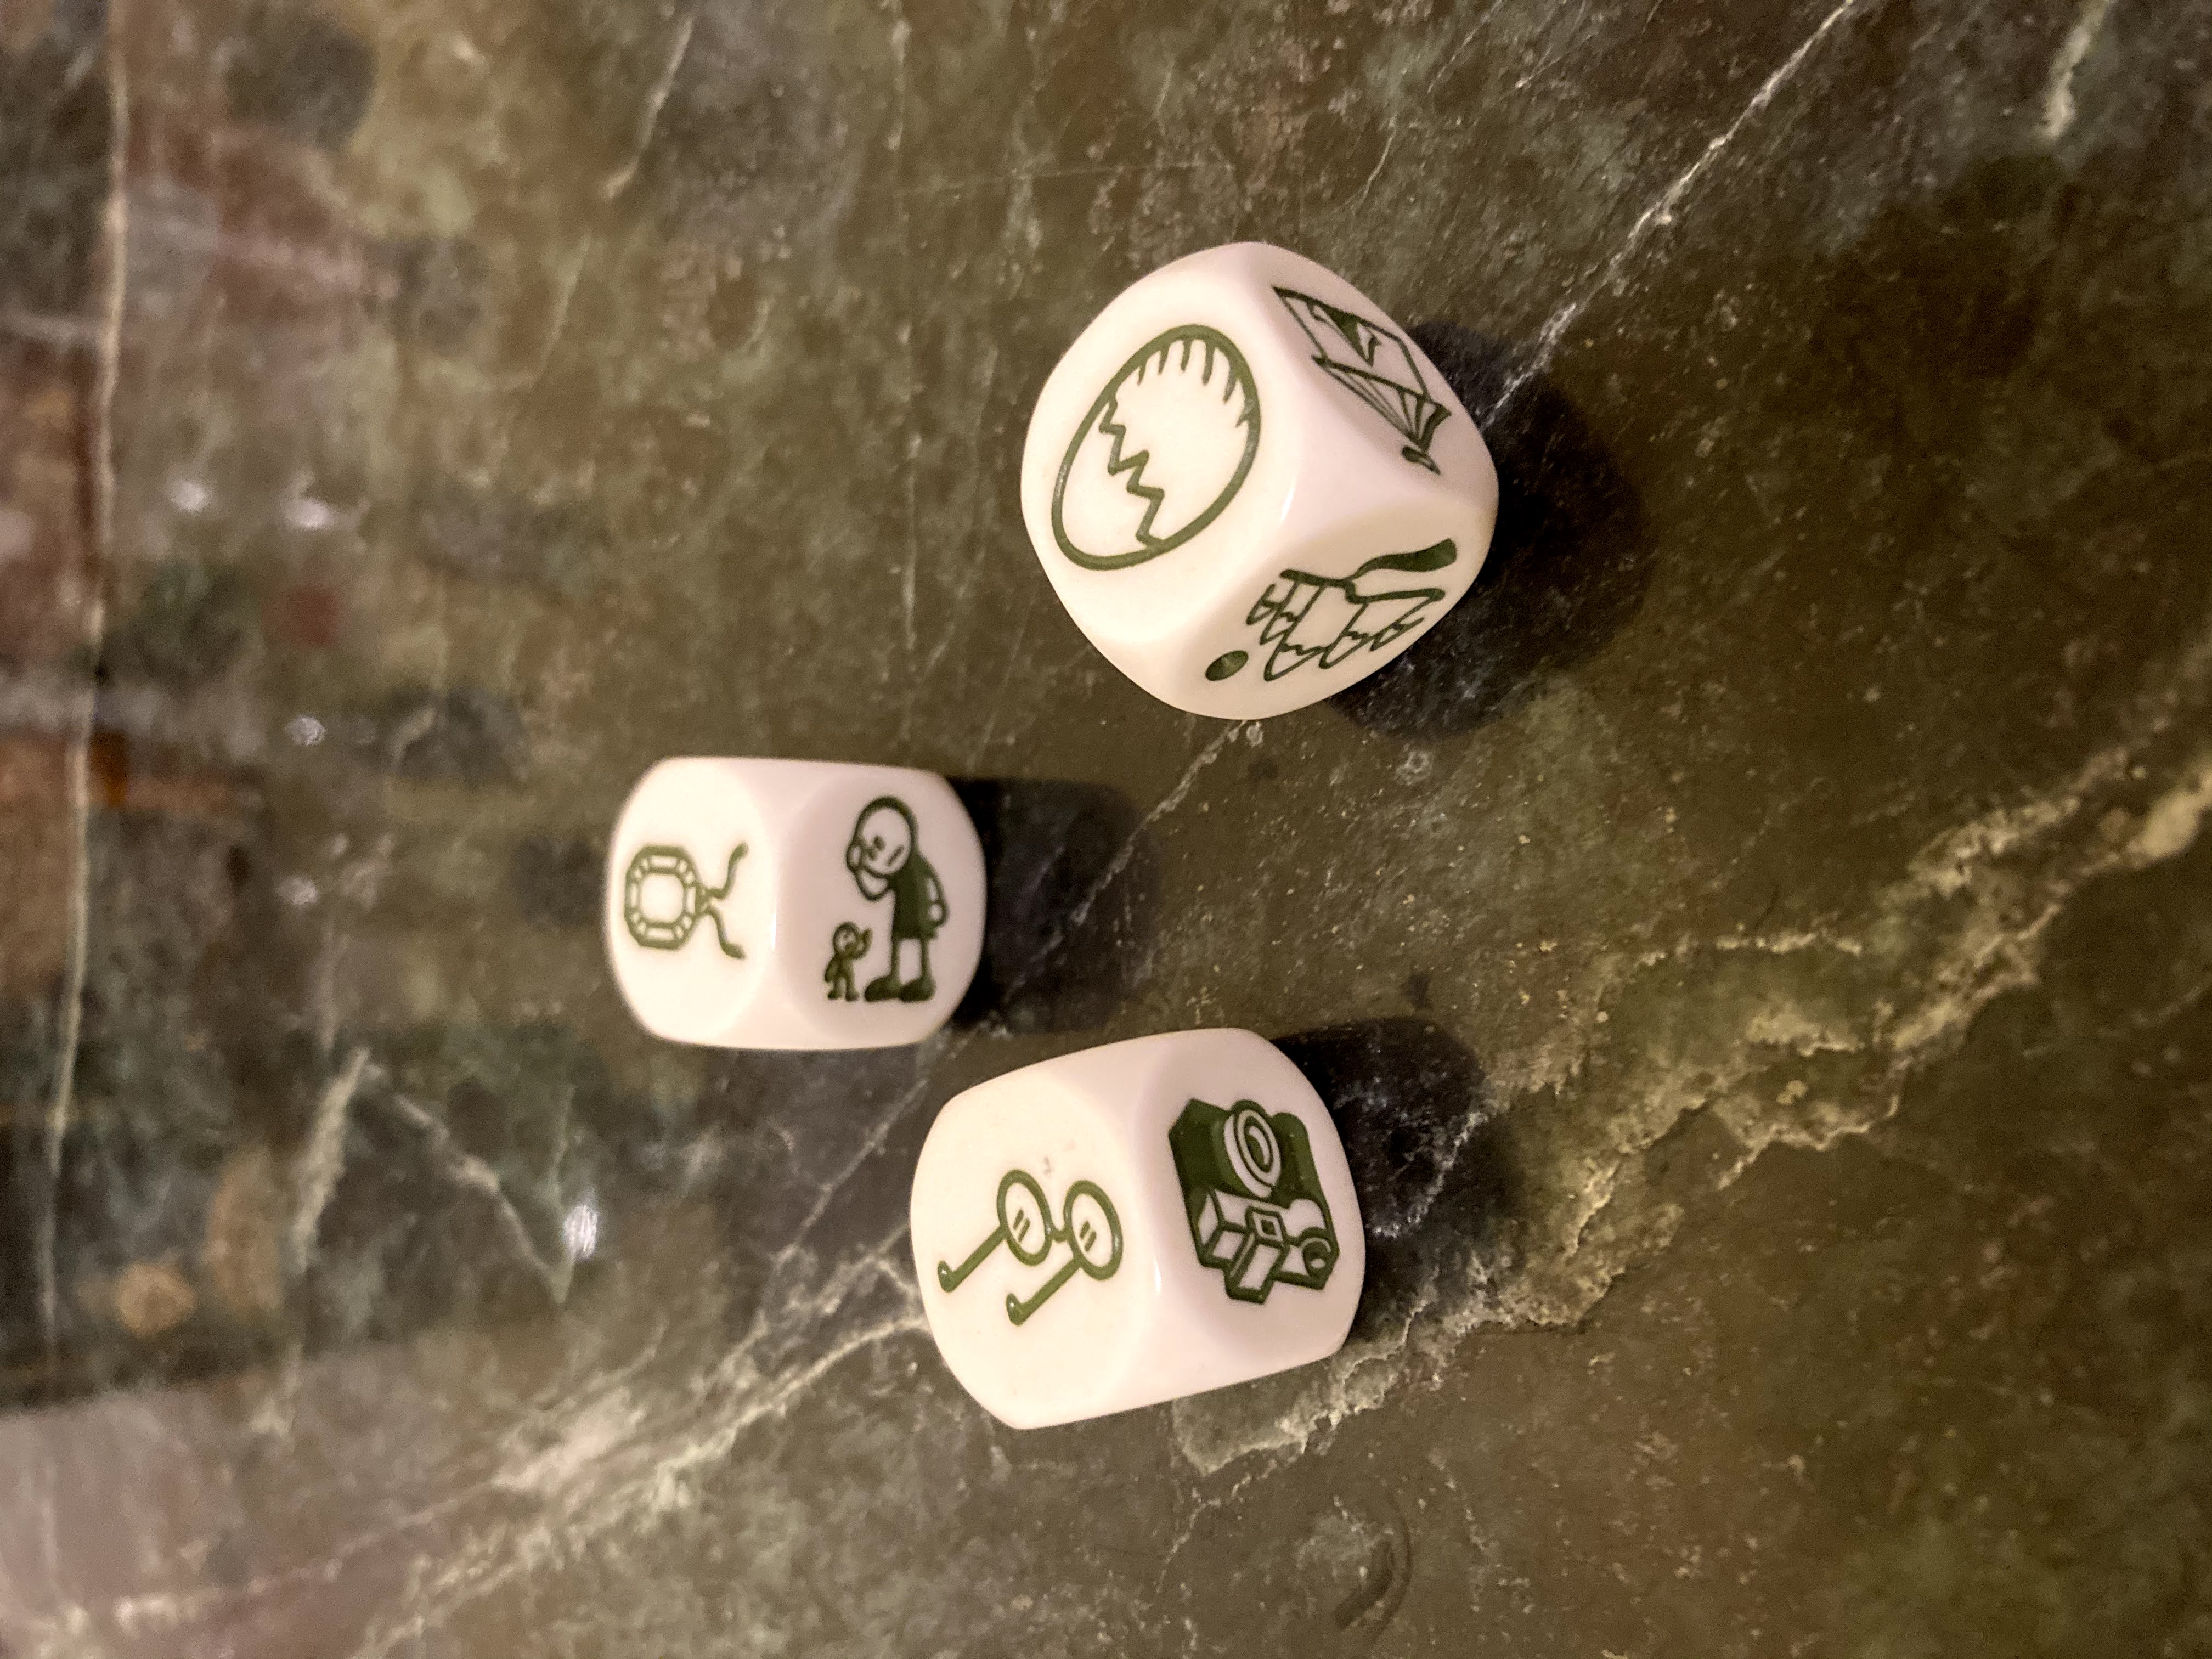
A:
1162,451
1376,365
1088,1226
1330,619
653,872
884,859
1253,1198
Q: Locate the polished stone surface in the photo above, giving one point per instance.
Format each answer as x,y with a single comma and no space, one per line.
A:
1757,948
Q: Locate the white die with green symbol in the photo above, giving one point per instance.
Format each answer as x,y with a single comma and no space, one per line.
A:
1250,487
756,903
1135,1223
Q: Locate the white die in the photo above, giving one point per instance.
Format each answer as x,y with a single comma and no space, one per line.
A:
1135,1223
792,904
1249,486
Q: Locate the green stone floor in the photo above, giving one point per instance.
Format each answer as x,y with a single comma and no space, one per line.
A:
1756,947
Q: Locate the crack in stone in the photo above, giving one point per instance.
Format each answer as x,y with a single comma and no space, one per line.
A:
1959,927
1661,213
116,227
322,1161
619,181
464,1169
2058,94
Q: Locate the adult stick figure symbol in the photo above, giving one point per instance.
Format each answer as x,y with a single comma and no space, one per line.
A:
664,898
884,857
1088,1226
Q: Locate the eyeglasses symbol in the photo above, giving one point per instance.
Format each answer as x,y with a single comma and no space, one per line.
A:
1088,1226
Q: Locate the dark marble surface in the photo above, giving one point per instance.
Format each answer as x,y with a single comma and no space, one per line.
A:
1757,948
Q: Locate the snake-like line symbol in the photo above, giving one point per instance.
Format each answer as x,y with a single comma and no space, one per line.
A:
696,899
1087,1223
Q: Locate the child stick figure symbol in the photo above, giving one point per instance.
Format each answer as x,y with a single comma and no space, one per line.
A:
884,856
847,946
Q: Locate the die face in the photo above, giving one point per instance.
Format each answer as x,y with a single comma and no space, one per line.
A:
1267,1262
689,902
1325,611
1250,487
837,907
1032,1250
1236,1219
1256,1205
1393,397
1160,451
882,919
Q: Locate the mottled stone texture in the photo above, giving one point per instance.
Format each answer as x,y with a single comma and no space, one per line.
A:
1757,947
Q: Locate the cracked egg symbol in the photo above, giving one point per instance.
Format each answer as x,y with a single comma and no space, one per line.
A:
1163,449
